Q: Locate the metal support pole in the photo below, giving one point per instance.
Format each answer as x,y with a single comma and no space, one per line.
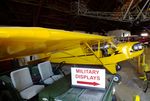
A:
139,60
139,64
143,61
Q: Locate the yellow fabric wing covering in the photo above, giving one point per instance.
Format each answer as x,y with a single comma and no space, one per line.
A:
23,41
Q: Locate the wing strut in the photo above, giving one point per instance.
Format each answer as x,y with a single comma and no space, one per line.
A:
93,52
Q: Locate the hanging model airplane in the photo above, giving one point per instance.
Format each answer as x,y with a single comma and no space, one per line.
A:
71,47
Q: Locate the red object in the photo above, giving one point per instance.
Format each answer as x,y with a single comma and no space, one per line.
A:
144,40
88,83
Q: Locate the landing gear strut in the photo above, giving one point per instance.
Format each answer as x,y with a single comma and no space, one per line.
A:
118,67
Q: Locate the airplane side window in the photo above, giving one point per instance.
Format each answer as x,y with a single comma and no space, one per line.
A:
95,47
85,49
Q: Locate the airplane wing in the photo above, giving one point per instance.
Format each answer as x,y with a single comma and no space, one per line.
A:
24,41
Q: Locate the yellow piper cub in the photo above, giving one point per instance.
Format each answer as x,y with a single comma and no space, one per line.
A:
99,53
71,47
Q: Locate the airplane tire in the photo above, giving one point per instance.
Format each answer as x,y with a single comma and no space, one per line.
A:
117,78
118,67
114,98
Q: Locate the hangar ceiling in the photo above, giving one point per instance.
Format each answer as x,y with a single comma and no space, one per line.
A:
84,15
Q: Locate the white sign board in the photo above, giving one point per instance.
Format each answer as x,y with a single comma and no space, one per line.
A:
88,77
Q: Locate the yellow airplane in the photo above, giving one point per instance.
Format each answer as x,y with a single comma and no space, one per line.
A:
71,47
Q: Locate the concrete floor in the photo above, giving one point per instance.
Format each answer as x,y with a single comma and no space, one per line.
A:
131,85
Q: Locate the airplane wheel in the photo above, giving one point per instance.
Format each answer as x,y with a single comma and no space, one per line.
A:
114,98
118,67
117,78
